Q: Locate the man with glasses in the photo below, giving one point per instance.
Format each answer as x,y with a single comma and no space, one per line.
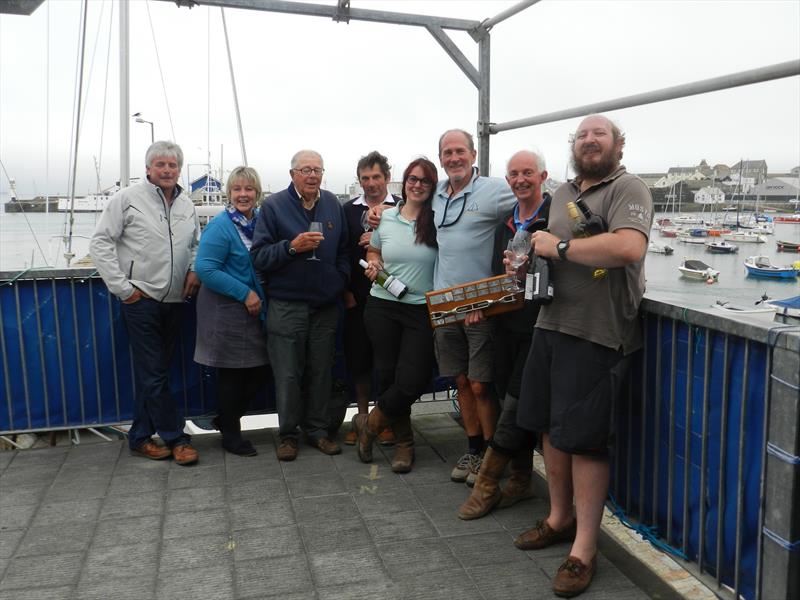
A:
373,174
468,207
300,248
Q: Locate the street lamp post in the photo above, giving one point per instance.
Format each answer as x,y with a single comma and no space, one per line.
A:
141,120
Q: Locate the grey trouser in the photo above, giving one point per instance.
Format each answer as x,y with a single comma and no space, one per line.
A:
301,342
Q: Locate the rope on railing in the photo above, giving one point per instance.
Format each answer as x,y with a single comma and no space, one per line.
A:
649,533
785,544
782,454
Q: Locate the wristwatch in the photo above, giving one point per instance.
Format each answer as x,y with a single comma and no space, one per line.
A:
291,250
562,248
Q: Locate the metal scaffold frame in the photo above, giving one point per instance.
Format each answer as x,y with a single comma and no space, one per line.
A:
479,31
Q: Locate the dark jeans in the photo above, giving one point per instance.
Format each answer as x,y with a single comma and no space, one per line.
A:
153,330
403,352
235,389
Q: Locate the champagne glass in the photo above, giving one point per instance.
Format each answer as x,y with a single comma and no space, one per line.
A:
519,247
314,226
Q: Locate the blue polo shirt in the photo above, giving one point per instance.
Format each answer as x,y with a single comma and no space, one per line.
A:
465,227
410,262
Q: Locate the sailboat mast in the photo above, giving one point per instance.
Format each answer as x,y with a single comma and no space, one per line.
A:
124,106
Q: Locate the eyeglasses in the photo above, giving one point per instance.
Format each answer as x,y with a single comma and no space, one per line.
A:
309,170
414,180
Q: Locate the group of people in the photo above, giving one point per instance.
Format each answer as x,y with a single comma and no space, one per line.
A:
276,278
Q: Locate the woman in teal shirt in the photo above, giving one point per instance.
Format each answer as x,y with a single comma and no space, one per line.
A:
230,308
405,246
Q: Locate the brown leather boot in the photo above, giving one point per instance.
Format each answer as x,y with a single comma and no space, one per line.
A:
403,445
518,487
486,493
368,427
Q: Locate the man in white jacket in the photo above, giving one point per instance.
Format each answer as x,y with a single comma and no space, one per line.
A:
144,248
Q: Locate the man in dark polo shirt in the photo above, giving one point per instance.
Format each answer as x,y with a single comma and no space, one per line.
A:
374,174
581,343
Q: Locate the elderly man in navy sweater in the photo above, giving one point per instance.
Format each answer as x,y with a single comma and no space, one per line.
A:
306,273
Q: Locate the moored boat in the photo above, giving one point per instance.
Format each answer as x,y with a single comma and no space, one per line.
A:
795,218
760,311
657,248
761,266
789,307
691,268
687,238
784,246
721,247
745,237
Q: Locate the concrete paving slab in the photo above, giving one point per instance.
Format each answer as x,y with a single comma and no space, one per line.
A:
93,521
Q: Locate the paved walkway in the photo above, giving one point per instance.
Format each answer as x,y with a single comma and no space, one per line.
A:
92,521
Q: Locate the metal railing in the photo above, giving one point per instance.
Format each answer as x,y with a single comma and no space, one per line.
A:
707,434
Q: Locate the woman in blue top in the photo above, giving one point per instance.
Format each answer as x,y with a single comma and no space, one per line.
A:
404,245
230,308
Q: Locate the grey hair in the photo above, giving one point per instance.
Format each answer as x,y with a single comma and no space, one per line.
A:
538,157
298,155
164,148
248,174
466,134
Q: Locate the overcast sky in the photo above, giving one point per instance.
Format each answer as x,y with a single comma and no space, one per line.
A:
346,89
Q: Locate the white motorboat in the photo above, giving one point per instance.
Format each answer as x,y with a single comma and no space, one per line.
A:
761,311
657,248
691,268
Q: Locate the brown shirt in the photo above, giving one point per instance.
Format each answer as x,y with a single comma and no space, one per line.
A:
602,309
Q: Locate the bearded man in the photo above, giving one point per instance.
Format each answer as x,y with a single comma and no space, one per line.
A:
582,342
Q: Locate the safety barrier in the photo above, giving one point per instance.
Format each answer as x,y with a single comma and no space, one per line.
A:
708,435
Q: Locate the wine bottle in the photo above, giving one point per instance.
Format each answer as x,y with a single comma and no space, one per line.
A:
538,284
388,282
581,228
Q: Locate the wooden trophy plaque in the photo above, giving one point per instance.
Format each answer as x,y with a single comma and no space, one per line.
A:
493,295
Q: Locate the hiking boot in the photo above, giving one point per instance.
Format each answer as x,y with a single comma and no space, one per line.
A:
404,445
287,450
386,437
351,437
573,577
518,487
463,467
542,536
486,492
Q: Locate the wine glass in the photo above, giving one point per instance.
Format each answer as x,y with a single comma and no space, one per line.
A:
519,247
365,221
314,226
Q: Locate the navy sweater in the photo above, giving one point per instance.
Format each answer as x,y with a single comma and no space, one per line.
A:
282,218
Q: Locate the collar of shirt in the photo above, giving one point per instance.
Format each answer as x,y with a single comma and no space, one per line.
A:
299,197
610,177
524,224
361,200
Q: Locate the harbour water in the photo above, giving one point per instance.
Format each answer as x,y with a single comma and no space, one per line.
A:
19,250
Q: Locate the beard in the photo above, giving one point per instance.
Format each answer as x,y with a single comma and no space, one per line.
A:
589,169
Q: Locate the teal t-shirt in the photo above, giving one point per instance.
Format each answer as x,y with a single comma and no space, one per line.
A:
410,262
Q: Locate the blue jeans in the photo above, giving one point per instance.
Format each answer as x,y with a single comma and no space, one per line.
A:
152,331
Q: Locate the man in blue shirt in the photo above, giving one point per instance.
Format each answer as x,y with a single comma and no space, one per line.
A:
467,209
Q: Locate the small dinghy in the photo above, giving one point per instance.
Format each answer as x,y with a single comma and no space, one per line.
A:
788,246
760,311
691,268
789,307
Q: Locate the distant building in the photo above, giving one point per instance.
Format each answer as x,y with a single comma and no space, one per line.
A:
206,190
354,190
709,195
746,171
778,189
